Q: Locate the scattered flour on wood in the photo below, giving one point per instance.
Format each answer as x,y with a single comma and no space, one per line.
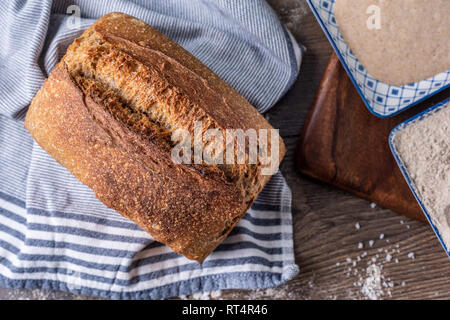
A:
203,296
293,16
372,284
285,292
368,266
43,294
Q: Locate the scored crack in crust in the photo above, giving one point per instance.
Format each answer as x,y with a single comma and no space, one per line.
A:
107,113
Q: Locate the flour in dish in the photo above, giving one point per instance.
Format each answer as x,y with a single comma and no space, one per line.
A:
411,44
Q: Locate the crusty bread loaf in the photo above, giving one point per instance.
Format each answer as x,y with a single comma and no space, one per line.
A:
107,113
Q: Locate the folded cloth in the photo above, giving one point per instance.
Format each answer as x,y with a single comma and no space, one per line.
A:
54,233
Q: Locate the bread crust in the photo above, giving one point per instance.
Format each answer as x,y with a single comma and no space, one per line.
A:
190,208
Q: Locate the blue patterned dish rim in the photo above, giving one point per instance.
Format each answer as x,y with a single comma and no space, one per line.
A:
381,99
419,117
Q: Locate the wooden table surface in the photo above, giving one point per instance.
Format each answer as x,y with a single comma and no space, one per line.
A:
408,261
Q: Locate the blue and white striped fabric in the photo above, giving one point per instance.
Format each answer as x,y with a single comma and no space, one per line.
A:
55,234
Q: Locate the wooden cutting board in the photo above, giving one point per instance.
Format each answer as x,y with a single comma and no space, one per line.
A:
343,144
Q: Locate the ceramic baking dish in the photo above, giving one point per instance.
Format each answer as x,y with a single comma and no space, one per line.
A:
381,99
398,157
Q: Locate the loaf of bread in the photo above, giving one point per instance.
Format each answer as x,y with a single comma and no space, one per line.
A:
107,113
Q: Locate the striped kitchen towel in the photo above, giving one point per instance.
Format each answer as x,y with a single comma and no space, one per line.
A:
55,234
